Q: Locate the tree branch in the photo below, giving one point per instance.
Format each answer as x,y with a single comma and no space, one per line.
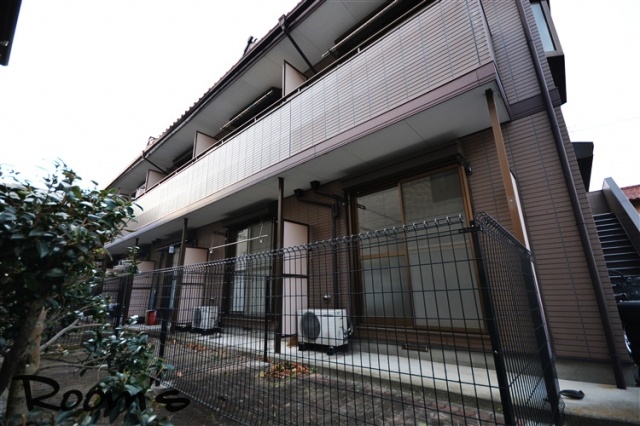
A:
65,330
76,365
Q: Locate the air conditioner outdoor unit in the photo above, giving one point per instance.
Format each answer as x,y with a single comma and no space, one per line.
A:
123,266
205,317
140,191
327,327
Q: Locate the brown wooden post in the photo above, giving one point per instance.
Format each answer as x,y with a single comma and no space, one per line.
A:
514,211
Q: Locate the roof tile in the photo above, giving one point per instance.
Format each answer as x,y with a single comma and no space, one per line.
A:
632,192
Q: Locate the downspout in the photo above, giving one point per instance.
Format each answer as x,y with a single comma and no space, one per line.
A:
167,295
334,231
575,202
315,185
176,289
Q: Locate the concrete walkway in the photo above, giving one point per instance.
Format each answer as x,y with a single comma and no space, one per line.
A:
602,404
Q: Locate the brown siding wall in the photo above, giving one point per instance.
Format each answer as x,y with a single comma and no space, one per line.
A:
514,63
564,279
487,190
512,57
210,236
318,218
320,228
594,240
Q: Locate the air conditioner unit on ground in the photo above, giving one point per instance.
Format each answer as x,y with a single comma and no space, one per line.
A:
326,327
123,266
205,317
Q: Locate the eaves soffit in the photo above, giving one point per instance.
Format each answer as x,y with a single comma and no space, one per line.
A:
316,29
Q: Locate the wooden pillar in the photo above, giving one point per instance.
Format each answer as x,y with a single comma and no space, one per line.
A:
505,171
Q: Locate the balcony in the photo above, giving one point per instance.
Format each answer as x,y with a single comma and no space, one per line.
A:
419,86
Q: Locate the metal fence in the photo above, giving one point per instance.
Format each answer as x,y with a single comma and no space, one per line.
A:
438,322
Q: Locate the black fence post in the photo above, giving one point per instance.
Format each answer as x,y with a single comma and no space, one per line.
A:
277,296
267,311
494,333
542,339
165,309
127,297
121,300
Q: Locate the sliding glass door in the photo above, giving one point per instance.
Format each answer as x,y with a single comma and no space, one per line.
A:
423,282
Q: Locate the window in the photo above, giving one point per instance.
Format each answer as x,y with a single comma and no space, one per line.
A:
546,29
543,27
551,45
421,283
433,196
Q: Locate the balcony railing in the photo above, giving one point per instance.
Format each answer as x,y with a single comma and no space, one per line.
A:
441,43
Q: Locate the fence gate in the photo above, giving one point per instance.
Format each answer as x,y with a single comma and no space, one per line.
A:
519,338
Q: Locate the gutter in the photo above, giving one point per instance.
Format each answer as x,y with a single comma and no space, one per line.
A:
575,202
357,30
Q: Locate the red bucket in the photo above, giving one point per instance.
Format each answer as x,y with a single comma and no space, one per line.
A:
150,319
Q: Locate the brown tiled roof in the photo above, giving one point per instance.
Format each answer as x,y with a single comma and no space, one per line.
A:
632,192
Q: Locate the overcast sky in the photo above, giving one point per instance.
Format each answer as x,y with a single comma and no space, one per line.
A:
89,81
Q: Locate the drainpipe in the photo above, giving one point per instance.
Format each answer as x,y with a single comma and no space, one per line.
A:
176,284
299,193
575,202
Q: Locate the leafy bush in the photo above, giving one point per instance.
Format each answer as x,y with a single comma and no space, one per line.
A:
132,368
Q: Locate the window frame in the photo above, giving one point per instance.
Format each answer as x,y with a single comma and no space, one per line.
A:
397,181
546,11
231,274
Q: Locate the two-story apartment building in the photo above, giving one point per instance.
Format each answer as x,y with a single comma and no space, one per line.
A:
349,117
